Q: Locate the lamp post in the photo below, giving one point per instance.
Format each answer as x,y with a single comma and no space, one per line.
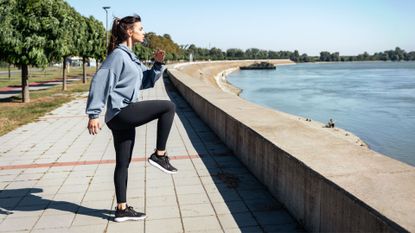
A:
106,23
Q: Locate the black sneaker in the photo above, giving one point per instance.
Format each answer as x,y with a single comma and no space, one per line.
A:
162,163
128,214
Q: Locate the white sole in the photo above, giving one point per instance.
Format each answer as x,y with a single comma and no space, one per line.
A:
123,219
154,164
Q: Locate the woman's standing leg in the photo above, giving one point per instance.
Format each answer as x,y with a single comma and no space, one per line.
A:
123,144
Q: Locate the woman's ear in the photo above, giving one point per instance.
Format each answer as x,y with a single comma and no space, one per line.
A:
130,32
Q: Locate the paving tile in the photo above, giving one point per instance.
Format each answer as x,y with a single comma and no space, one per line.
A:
206,223
50,182
92,218
160,191
54,221
224,196
237,220
48,190
185,181
98,195
283,228
61,207
73,188
131,226
87,228
172,225
197,210
137,203
273,217
255,194
159,183
18,224
195,198
154,201
101,187
162,212
33,200
8,178
91,206
189,189
254,229
75,198
21,184
24,211
263,205
9,202
230,207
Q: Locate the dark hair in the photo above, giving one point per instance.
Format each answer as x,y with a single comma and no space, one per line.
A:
119,30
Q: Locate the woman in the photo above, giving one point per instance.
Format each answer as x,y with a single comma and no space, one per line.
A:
118,83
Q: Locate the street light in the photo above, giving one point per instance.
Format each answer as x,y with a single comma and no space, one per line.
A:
106,24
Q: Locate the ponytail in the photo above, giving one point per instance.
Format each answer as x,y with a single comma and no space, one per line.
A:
119,30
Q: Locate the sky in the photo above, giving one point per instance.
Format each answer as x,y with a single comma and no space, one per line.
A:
349,27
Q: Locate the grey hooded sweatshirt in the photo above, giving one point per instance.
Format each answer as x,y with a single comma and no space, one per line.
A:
118,82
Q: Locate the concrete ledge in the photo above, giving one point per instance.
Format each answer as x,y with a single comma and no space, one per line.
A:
326,182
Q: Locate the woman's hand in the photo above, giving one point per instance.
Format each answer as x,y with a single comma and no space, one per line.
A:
94,126
159,55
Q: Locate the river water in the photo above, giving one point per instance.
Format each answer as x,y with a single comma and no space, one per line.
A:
373,100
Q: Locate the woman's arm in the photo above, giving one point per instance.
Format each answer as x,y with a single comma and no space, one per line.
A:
97,98
151,76
102,82
98,92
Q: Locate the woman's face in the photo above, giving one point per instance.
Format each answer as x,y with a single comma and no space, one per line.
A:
137,33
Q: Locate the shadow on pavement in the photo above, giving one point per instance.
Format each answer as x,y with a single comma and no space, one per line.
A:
24,199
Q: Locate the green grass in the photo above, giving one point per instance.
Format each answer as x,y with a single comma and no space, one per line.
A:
7,69
14,113
39,75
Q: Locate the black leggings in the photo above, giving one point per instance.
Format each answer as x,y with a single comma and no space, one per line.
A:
123,130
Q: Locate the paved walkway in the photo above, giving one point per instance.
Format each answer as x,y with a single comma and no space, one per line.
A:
55,177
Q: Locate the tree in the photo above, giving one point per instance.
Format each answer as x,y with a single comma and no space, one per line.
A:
273,54
304,58
400,54
234,54
411,56
251,53
99,50
28,32
216,54
82,44
335,56
295,56
93,40
69,35
263,54
165,43
324,56
142,52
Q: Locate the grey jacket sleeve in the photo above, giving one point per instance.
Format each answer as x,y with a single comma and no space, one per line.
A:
99,91
150,76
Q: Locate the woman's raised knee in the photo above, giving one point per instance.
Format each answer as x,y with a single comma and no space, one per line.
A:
171,106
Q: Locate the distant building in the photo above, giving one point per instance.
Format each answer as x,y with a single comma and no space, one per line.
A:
77,61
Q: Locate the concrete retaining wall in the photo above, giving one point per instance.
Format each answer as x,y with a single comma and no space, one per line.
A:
326,182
